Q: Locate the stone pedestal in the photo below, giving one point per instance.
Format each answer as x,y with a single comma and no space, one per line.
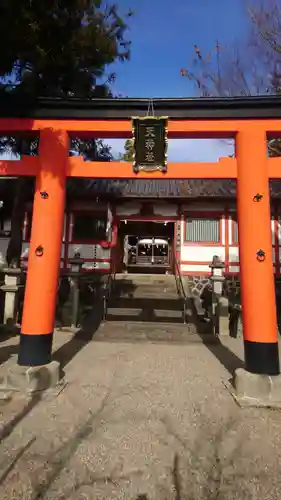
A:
76,266
235,320
219,305
252,390
222,316
10,288
75,300
32,379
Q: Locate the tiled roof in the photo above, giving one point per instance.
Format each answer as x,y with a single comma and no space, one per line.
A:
194,188
119,188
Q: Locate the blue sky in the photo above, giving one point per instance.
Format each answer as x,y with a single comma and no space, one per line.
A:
163,34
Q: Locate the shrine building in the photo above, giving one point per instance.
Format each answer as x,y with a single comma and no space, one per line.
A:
149,216
153,223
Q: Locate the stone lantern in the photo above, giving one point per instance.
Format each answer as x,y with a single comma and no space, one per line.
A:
219,303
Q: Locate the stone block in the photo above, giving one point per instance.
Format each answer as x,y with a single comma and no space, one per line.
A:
255,390
217,287
222,321
223,326
32,379
224,307
198,306
12,281
10,307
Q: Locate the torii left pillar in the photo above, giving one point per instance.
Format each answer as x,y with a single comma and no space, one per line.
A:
45,251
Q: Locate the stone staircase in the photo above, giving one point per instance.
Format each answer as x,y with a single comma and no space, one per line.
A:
146,308
145,298
142,308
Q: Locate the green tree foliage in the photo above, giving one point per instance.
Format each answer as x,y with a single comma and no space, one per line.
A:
61,47
128,154
57,48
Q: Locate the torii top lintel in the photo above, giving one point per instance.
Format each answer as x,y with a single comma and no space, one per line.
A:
234,108
111,118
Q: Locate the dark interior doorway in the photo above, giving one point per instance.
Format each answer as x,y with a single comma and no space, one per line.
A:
146,246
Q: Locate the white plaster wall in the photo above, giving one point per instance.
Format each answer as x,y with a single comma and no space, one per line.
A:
102,266
205,253
197,253
223,230
230,235
182,232
234,269
233,254
128,209
165,210
194,268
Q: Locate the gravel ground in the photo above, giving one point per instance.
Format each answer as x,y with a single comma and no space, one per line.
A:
139,421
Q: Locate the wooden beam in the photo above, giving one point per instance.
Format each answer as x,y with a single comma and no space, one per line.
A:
97,128
28,166
123,128
224,169
206,108
274,168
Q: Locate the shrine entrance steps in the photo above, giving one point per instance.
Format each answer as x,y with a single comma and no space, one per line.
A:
148,308
145,298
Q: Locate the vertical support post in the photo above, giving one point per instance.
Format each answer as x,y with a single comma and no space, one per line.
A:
256,270
75,303
45,251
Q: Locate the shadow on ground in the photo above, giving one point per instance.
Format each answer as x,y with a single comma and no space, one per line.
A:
208,468
91,323
223,354
6,351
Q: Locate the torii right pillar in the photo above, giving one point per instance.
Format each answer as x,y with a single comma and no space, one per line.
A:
259,384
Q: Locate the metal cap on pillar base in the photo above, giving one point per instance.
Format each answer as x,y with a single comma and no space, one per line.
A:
35,350
262,358
259,385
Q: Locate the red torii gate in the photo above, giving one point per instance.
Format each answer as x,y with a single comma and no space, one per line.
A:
247,120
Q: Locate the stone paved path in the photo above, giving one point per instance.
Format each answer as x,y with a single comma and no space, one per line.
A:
139,421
